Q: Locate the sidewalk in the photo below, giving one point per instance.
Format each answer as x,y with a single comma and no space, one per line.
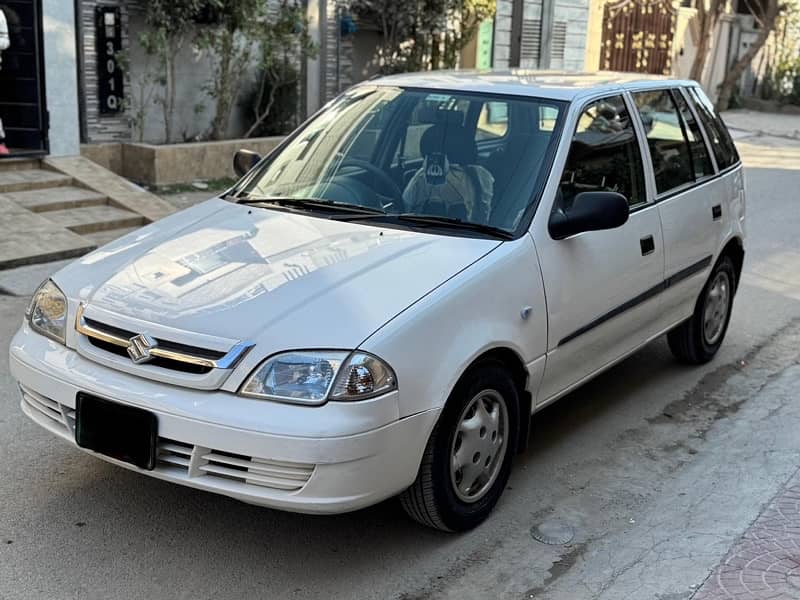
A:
762,123
765,561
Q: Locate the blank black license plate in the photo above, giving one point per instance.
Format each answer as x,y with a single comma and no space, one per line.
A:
123,432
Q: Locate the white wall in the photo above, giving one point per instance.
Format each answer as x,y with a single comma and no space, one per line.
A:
60,69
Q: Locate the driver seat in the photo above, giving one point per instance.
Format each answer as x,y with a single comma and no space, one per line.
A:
450,182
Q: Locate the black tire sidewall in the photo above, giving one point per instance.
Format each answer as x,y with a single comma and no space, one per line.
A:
456,514
706,350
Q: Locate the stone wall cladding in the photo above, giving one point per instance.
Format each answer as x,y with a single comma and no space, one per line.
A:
329,52
502,34
100,128
576,14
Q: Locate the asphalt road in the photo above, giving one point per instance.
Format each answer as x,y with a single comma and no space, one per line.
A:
656,468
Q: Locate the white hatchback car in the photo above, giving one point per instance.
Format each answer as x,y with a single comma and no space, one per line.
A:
380,304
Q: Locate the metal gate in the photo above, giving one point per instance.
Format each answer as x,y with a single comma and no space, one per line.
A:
637,36
22,95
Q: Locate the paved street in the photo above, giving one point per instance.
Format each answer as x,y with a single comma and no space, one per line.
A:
657,469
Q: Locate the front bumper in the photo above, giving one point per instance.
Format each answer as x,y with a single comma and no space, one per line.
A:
330,459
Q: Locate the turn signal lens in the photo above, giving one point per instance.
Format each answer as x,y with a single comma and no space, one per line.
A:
363,376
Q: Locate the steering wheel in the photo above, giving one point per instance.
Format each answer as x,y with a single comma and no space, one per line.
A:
396,194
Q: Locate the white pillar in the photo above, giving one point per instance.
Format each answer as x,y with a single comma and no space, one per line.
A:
61,77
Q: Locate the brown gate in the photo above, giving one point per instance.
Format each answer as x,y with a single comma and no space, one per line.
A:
637,36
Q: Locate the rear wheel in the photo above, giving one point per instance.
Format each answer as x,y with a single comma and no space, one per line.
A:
468,457
696,340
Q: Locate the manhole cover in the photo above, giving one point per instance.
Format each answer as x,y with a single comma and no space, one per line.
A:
553,533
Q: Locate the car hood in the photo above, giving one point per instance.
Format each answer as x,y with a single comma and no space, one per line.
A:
282,280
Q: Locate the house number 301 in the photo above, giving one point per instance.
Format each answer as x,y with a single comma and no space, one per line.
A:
109,44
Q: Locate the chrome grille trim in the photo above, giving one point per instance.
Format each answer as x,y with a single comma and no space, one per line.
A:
228,361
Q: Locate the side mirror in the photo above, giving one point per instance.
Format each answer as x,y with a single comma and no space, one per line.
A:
243,161
590,211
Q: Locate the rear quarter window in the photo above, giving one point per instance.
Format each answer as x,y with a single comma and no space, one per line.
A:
721,142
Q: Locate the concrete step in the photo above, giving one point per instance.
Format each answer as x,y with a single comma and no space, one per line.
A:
90,219
57,198
18,164
31,179
103,237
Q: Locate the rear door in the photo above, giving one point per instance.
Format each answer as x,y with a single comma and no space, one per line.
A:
686,192
22,98
601,286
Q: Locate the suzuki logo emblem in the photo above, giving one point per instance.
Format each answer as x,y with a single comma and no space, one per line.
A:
139,348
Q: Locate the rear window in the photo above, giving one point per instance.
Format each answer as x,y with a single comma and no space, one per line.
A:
718,135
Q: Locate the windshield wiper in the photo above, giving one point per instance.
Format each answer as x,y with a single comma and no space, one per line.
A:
311,203
438,221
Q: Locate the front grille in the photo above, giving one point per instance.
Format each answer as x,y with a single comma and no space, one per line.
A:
164,363
247,470
157,352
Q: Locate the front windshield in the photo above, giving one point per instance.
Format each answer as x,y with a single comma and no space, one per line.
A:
476,158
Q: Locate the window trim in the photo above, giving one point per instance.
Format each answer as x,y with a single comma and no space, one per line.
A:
684,91
692,102
632,208
658,196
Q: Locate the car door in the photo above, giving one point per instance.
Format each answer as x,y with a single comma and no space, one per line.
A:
601,286
687,194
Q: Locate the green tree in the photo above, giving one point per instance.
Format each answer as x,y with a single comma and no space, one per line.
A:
282,38
424,34
766,15
229,42
169,26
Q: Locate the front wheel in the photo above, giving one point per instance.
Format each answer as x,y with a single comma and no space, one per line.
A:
468,457
696,340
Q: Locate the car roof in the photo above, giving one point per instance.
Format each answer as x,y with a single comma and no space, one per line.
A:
520,82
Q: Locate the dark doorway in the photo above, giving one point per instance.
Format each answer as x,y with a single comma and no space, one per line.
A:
22,98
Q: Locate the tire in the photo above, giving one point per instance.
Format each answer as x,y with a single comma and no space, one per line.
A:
438,498
691,342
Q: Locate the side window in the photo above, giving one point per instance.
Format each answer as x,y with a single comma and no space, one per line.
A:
492,121
718,135
700,157
669,148
604,155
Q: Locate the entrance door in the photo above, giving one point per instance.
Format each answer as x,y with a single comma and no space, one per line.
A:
637,36
22,98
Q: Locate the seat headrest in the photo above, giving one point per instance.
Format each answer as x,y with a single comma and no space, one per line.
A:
453,141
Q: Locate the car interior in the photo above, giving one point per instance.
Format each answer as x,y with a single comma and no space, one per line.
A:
499,145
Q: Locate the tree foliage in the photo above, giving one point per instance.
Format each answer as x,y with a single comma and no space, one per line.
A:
281,39
422,34
169,26
766,15
239,37
708,14
229,40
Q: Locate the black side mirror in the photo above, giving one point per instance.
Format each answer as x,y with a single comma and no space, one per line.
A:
244,160
590,211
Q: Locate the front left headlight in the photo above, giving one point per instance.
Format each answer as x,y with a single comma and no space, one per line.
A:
314,376
47,312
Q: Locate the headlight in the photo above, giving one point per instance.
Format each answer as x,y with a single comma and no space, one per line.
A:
47,312
312,377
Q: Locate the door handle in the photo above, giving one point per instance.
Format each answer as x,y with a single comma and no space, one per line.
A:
716,212
648,245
